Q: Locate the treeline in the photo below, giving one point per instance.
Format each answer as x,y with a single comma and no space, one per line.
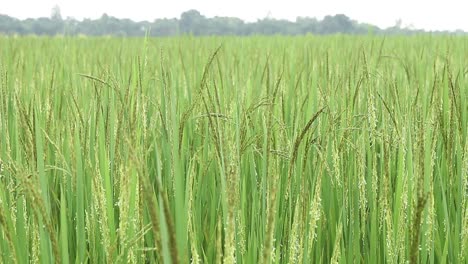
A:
192,22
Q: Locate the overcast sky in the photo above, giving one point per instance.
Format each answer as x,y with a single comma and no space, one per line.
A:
426,14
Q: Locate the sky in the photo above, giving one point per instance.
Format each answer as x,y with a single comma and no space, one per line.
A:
420,14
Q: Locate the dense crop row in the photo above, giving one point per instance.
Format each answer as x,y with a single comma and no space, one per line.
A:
250,150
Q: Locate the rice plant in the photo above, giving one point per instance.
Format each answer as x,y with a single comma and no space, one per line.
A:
336,149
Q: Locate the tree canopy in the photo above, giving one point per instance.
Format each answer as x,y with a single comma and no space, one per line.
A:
194,23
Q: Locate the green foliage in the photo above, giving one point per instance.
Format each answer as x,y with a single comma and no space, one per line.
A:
193,23
250,150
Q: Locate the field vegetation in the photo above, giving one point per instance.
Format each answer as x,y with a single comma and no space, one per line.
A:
334,149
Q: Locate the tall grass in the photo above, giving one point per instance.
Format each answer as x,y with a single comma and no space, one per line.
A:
236,150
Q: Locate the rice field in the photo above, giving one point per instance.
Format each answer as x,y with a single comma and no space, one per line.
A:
335,149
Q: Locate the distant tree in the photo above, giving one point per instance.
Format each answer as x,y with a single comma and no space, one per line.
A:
165,27
336,24
45,26
55,14
192,22
307,25
9,25
399,23
269,26
70,26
